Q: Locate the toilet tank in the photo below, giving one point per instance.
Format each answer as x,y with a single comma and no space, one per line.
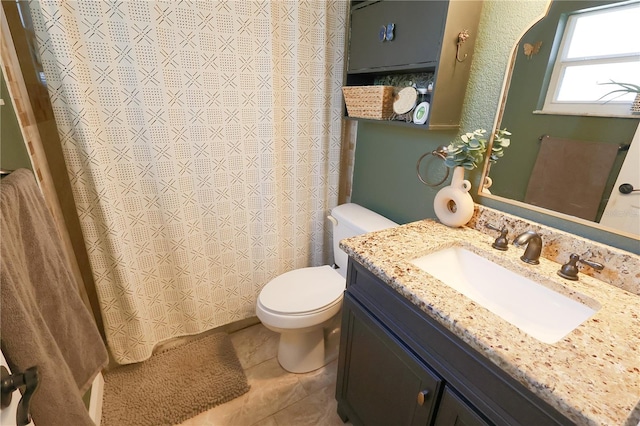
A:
351,220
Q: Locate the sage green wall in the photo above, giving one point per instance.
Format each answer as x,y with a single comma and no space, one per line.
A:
384,176
384,171
13,152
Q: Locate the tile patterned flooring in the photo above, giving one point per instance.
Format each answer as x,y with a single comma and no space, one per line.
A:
276,397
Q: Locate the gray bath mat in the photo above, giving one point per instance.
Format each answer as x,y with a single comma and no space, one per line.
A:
174,385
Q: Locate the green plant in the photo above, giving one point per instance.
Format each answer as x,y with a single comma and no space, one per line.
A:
500,141
624,88
468,151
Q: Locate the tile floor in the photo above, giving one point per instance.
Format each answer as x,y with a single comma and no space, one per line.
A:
276,397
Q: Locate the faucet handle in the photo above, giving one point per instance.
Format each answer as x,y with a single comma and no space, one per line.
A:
595,265
501,243
495,228
570,269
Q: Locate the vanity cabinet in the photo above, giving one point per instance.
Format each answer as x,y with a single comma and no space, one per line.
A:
390,378
399,366
454,410
424,37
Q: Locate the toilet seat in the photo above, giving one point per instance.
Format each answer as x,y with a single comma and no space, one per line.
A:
303,291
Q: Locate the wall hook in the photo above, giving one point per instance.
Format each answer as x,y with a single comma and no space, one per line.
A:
462,37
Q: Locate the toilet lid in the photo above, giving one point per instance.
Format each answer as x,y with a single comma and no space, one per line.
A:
303,290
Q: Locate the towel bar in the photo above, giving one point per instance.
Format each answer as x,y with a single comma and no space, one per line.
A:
12,382
441,153
621,147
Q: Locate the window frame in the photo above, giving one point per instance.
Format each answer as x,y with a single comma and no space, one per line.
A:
599,108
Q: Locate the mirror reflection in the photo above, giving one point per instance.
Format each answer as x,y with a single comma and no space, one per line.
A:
571,143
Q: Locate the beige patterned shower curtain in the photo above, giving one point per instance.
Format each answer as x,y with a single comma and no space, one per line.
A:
202,139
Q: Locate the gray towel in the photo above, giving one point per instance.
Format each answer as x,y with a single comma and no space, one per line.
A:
569,176
44,321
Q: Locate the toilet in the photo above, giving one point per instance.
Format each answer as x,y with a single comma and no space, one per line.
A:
303,305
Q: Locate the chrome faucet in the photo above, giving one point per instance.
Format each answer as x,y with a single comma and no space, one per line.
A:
534,246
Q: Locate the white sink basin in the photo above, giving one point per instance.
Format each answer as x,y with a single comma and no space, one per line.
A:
537,310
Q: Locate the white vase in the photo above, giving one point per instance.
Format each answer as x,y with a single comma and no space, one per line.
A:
453,205
487,184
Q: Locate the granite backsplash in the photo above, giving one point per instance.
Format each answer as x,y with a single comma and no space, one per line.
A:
621,268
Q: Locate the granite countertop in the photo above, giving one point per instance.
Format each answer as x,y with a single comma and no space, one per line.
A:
592,375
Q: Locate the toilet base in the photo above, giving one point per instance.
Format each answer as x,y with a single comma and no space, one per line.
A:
301,352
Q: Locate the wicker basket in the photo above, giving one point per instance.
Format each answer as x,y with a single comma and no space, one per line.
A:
374,102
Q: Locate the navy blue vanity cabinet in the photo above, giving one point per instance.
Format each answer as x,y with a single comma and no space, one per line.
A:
398,366
384,380
454,410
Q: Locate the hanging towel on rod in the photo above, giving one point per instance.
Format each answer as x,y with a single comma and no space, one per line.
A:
569,176
44,321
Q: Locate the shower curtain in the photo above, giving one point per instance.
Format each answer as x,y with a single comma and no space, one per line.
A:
202,140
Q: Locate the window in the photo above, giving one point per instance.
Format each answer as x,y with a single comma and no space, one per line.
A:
598,46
